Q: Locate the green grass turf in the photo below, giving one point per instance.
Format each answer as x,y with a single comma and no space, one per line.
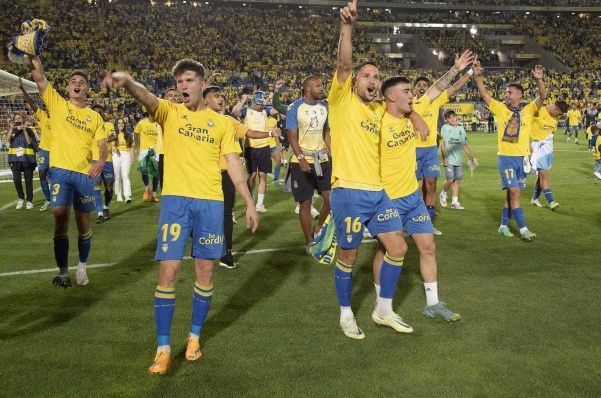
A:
530,310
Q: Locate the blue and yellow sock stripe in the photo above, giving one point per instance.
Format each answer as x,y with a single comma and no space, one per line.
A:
205,291
164,292
344,267
85,236
397,262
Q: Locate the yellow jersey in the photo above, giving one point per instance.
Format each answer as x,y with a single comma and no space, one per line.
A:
543,125
574,117
109,128
75,129
589,132
44,129
355,138
257,121
194,142
241,131
429,111
148,133
272,123
397,156
502,114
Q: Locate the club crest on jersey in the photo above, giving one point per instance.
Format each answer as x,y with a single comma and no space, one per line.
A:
210,123
89,119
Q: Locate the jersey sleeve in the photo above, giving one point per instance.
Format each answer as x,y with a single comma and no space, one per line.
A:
496,108
162,111
292,116
327,123
100,130
241,129
228,142
51,98
340,93
138,128
442,99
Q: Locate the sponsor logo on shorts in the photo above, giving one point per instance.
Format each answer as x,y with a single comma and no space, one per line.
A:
434,167
211,239
421,218
87,199
165,247
388,215
349,238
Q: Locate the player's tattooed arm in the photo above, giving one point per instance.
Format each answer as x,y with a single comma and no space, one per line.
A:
37,74
137,90
234,169
451,91
538,74
348,17
461,62
479,73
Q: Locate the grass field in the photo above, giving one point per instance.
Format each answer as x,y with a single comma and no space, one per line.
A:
530,310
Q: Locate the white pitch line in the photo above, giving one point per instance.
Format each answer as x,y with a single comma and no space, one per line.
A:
14,202
106,265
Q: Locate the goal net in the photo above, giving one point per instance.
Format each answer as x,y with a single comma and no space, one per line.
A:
11,100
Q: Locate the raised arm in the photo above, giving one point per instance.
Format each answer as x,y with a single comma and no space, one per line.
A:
348,17
137,90
451,91
538,74
27,97
461,62
237,109
37,74
479,73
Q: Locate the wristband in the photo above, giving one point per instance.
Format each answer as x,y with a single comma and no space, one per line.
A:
270,134
470,72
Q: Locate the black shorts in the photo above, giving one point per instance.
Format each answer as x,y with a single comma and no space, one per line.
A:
258,159
303,184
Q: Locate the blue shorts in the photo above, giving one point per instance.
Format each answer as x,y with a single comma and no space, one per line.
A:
183,217
354,208
512,172
43,160
427,163
273,149
573,127
107,176
413,213
72,188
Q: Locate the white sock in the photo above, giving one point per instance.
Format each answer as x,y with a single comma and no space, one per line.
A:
82,265
431,289
443,194
522,230
455,199
345,312
100,213
154,194
193,336
377,291
384,306
260,199
105,208
164,348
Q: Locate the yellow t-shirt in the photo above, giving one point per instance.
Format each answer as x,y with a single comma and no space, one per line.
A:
75,131
241,131
589,132
149,133
44,129
429,111
194,142
397,156
257,121
574,117
122,143
109,128
502,114
355,136
543,125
